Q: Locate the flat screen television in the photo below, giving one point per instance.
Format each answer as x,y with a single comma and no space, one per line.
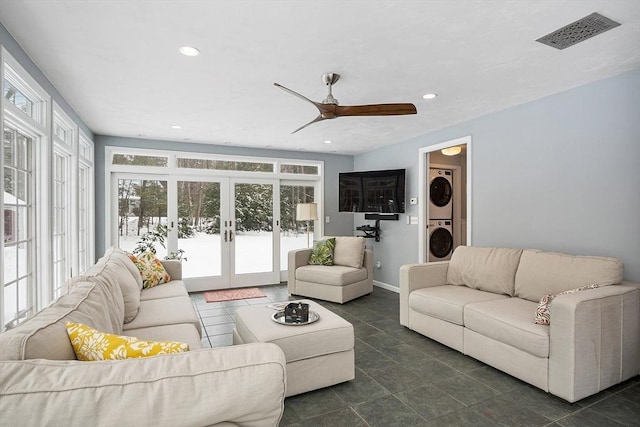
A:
380,191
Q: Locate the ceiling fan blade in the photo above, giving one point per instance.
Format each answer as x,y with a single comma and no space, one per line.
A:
375,110
317,119
297,94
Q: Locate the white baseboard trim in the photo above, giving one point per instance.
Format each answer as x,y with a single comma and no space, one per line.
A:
386,286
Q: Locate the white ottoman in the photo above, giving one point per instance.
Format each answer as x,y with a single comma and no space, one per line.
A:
318,355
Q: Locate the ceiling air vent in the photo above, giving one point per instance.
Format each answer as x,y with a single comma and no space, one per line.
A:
578,31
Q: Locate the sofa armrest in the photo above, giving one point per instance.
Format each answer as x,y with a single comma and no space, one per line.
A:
243,385
297,258
173,267
417,276
367,263
594,340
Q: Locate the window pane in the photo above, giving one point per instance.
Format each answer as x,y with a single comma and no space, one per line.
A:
199,228
299,169
294,233
9,148
130,159
17,98
225,165
142,214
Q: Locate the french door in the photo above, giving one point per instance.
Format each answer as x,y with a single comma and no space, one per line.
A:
228,228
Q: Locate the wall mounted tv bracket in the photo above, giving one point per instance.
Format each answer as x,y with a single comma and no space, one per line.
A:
370,232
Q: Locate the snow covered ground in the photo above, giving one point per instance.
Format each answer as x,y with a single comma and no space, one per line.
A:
253,252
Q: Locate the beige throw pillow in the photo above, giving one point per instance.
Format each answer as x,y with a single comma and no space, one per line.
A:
349,251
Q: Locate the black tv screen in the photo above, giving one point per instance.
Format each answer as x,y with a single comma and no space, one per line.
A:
371,191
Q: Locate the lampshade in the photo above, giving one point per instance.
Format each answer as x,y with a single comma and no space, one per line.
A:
451,151
306,211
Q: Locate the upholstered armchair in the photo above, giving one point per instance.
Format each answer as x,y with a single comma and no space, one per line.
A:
350,276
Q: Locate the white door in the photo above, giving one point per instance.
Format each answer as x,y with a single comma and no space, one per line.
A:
227,230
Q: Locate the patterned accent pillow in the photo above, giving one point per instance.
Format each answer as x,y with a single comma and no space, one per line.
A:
90,344
322,253
151,269
543,312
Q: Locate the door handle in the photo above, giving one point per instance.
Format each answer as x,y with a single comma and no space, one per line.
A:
230,236
225,235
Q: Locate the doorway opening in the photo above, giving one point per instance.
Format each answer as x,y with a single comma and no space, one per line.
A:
444,205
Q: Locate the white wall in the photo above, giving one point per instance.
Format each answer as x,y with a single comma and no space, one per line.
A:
561,173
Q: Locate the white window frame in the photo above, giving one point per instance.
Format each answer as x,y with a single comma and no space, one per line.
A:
86,213
65,148
172,170
37,126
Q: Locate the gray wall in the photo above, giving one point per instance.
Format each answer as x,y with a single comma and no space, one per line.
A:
16,51
561,173
340,224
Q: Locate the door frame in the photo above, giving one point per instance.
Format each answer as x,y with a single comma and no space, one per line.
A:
423,192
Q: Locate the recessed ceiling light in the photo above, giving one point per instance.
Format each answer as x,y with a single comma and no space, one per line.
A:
189,51
176,127
430,95
327,142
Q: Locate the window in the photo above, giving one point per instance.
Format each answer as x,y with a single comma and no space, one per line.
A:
19,239
25,221
62,199
85,202
299,169
17,98
130,159
225,165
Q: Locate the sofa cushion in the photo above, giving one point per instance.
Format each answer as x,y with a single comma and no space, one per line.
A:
322,253
509,321
541,273
447,302
44,336
335,275
165,311
174,288
123,258
151,269
110,265
349,251
90,344
487,269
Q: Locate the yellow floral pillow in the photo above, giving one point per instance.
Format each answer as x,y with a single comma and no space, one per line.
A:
151,269
90,344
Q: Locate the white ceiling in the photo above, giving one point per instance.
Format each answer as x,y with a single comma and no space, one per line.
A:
117,63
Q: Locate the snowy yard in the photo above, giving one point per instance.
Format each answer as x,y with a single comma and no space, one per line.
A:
253,252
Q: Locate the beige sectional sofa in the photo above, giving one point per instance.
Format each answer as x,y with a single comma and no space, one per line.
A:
42,383
482,303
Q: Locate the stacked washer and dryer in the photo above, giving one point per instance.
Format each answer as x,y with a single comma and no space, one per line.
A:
440,214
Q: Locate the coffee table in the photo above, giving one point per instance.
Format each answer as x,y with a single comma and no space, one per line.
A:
318,355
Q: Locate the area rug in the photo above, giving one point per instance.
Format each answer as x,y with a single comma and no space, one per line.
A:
233,294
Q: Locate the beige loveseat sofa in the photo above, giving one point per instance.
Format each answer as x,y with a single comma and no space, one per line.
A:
482,303
350,276
42,383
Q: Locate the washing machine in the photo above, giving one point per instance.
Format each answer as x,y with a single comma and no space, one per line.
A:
440,193
440,239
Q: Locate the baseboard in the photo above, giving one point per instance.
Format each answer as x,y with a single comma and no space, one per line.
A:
386,286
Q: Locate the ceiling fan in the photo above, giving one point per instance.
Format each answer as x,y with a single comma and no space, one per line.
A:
329,108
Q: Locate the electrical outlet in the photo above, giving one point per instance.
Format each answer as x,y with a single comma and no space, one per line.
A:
327,219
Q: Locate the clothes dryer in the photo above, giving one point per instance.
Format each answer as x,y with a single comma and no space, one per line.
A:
440,193
440,240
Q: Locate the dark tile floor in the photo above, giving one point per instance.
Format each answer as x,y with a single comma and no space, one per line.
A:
405,379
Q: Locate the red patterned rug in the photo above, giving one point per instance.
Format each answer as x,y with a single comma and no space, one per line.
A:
233,294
